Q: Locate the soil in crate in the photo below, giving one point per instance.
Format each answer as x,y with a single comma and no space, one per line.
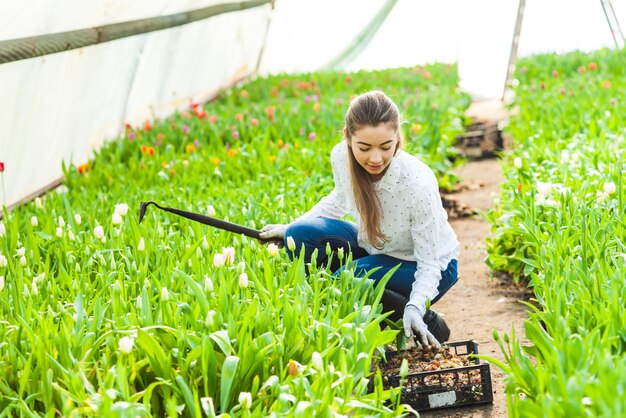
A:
440,377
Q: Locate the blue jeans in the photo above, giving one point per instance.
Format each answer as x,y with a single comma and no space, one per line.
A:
315,233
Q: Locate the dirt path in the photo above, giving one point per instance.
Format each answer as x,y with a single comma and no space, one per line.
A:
479,303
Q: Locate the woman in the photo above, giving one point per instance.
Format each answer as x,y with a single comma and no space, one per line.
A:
394,199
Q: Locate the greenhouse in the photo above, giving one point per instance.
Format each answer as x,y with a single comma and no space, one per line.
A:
298,208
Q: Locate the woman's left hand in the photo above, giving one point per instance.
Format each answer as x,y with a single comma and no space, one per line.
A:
273,231
414,324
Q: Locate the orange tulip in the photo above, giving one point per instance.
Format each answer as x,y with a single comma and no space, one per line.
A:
292,368
82,169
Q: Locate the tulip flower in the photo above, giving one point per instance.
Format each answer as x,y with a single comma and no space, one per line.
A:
77,218
292,368
243,280
3,261
609,187
116,219
245,400
272,249
210,210
125,345
209,321
98,231
34,221
59,232
20,252
229,255
142,244
317,361
70,235
121,209
218,260
517,162
208,284
1,283
3,229
61,222
291,243
544,188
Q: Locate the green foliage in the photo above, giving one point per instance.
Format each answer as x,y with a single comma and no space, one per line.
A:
559,226
102,316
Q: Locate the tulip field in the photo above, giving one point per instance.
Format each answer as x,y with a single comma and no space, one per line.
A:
559,225
103,316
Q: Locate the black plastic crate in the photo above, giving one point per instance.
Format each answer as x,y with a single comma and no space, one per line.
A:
447,388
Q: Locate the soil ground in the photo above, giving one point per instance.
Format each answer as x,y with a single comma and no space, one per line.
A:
480,303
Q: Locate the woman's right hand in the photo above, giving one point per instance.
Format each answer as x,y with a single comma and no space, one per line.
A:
273,231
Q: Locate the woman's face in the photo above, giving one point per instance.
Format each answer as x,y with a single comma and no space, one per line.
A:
374,147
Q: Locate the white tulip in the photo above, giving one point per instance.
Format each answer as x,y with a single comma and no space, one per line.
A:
21,252
272,249
243,280
1,283
517,162
229,255
59,232
210,210
245,400
165,294
61,222
218,260
3,229
38,203
116,218
121,209
209,321
77,218
142,245
3,261
125,345
544,188
317,361
291,243
71,236
34,289
609,187
98,231
34,221
208,284
39,278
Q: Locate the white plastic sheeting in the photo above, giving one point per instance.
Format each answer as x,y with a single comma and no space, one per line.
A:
306,34
62,106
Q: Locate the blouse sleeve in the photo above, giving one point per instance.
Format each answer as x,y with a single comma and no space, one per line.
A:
334,204
424,232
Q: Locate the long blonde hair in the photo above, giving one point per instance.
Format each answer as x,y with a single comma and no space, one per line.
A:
370,109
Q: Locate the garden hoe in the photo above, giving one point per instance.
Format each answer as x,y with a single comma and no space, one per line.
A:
216,223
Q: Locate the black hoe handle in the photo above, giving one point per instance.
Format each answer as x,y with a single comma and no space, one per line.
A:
207,220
